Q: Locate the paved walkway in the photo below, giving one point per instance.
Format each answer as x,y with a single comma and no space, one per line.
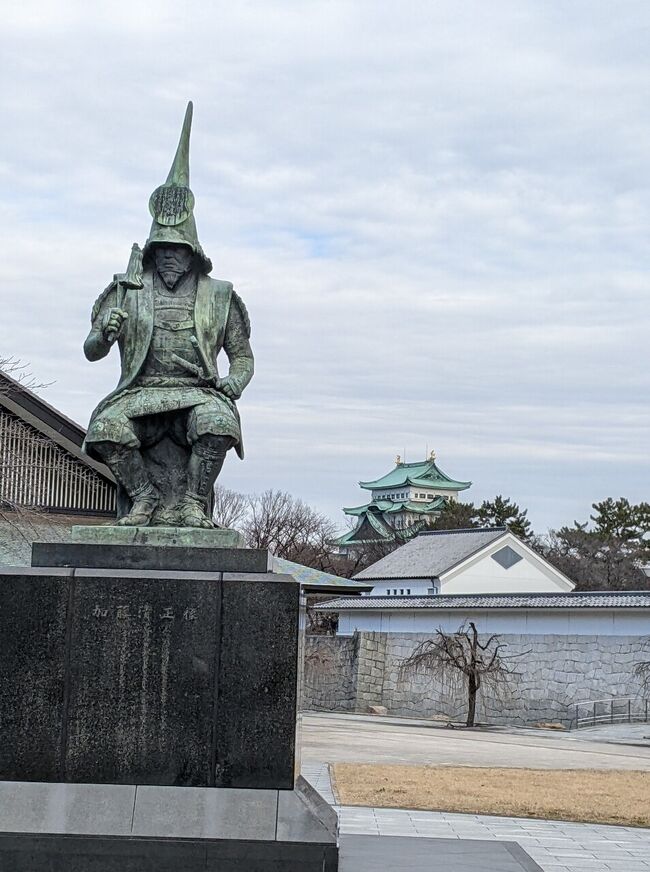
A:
400,854
556,846
623,734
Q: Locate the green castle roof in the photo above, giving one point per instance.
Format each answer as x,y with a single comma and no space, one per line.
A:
371,527
422,474
390,507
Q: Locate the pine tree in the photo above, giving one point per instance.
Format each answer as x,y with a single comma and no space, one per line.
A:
502,512
456,516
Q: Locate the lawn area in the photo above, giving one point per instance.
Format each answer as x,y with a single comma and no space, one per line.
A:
606,797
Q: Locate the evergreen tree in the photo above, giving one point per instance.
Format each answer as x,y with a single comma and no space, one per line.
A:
501,512
456,516
608,555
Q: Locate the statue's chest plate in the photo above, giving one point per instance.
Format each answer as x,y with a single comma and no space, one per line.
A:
173,326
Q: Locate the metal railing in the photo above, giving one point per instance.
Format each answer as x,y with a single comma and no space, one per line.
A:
615,710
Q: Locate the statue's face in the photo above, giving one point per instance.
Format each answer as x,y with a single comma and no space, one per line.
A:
172,262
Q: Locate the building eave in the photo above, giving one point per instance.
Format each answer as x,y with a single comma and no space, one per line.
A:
48,421
595,600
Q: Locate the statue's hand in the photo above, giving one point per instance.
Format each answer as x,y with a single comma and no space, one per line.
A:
229,387
113,324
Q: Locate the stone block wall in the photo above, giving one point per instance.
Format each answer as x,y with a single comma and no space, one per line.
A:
370,669
329,682
553,673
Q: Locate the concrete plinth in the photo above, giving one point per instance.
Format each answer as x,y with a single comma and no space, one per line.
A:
114,828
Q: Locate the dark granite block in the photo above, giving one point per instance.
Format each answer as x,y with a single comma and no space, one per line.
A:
257,686
149,677
33,626
28,853
142,678
173,558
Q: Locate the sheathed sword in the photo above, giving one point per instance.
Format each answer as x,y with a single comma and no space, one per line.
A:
205,372
194,368
208,368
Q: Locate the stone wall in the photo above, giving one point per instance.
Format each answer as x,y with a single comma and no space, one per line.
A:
329,675
370,671
553,672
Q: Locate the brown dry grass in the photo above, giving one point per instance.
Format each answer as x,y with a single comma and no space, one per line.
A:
606,797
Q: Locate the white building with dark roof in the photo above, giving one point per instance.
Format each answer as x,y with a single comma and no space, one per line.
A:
472,561
581,613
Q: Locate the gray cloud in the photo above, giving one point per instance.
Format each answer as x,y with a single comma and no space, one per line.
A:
439,217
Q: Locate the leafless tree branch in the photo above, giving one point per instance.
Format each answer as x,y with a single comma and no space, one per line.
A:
462,657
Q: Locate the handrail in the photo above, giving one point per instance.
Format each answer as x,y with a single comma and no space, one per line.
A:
613,710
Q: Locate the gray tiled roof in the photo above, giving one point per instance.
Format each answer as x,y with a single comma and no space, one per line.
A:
582,599
431,553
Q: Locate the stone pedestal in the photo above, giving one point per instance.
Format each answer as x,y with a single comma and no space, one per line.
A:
150,677
119,667
118,828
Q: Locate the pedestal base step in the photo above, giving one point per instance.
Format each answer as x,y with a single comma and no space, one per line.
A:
183,537
118,828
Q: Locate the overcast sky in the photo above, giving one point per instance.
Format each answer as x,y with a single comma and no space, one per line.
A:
437,212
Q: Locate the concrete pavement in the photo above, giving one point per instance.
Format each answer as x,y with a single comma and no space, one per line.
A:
362,739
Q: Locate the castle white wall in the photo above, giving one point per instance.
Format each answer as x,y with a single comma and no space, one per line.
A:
568,621
485,575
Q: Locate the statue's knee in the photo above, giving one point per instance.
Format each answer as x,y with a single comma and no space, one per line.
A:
105,450
210,445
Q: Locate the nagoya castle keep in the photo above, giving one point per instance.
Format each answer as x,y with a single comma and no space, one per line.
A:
402,503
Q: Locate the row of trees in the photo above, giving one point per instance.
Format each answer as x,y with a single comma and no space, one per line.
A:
284,524
499,512
606,552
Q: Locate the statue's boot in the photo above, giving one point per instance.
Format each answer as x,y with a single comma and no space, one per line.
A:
129,469
206,460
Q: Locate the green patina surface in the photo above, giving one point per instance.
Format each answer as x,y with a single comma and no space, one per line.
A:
314,577
165,430
187,537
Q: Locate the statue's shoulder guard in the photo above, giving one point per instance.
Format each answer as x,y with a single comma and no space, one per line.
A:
227,287
99,302
235,298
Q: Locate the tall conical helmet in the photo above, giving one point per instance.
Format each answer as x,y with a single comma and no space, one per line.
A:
171,205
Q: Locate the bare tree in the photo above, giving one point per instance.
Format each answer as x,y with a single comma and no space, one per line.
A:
642,671
464,661
642,668
230,507
289,528
21,526
19,376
